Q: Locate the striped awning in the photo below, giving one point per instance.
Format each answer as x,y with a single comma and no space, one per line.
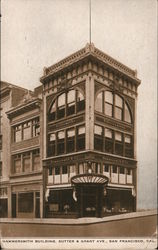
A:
90,178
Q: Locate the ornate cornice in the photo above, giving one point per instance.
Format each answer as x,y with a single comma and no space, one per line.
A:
25,107
89,51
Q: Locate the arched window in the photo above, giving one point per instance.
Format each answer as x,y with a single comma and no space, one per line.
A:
61,106
114,106
108,103
71,102
99,102
66,104
118,107
127,114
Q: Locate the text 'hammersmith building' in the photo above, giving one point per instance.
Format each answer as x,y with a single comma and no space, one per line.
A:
73,142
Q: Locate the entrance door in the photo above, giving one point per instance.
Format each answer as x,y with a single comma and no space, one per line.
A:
89,205
90,200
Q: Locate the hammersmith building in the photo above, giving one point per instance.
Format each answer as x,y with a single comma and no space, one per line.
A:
89,157
72,141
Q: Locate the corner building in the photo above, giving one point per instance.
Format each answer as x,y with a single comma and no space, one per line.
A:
89,128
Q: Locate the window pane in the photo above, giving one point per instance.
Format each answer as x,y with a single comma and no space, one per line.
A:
71,96
106,168
71,133
118,136
27,130
61,100
118,101
25,202
108,133
81,130
98,130
53,108
57,170
17,165
80,96
114,169
108,109
122,170
64,170
61,135
118,113
109,97
18,136
99,102
52,137
80,101
36,162
26,164
127,139
127,114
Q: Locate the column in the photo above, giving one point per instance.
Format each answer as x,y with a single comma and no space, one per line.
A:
89,112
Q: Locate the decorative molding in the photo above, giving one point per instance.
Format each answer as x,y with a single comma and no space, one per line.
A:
89,51
89,156
113,124
66,122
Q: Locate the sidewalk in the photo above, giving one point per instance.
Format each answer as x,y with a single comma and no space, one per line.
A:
138,224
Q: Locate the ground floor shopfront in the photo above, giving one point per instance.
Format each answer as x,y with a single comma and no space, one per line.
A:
27,201
89,201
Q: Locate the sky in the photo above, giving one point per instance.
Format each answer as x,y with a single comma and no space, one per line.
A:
36,34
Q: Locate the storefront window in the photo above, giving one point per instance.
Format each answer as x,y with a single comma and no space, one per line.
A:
25,202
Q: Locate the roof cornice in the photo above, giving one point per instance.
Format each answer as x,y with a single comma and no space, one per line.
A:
25,107
89,50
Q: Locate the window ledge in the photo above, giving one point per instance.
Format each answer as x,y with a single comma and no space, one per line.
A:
24,174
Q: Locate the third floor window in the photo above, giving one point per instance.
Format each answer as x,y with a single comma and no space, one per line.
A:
113,105
66,104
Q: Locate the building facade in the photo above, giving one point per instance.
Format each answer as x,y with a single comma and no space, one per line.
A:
10,96
89,114
73,141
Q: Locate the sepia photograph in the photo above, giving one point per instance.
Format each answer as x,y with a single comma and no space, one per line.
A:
78,124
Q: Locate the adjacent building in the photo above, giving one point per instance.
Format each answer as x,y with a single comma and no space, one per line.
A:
73,140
